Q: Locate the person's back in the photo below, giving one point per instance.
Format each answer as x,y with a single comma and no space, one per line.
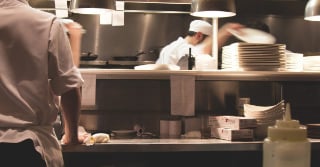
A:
177,51
35,61
171,53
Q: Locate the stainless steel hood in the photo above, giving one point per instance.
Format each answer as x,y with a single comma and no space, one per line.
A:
243,7
271,7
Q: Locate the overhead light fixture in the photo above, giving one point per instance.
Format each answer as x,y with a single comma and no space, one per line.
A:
213,9
312,10
92,6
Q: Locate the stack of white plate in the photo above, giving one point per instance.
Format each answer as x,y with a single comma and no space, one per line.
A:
253,57
265,116
294,61
311,63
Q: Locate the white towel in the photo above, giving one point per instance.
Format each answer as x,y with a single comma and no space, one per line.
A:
182,95
89,90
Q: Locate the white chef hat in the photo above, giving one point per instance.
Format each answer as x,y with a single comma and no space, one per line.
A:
201,26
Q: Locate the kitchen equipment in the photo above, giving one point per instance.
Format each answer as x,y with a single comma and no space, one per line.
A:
128,58
88,56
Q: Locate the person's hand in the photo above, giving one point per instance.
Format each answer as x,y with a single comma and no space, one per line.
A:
224,34
223,31
80,138
68,140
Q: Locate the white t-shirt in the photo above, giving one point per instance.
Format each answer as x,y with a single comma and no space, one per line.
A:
35,61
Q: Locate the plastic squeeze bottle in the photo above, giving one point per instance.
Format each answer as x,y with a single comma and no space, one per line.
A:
287,144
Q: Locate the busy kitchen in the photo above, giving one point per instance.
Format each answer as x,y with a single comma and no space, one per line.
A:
251,102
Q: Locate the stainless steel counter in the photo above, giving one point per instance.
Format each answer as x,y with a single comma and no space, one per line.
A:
173,145
218,75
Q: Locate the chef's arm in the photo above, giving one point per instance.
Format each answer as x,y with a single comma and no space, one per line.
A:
71,103
224,34
75,32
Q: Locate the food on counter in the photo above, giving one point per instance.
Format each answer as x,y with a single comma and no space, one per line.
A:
97,138
101,137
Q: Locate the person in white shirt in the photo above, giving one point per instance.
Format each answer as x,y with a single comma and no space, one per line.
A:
36,65
198,39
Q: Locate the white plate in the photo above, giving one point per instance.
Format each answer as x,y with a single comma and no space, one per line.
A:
250,35
157,67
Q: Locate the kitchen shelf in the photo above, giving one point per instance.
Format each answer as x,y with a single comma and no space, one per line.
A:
218,75
172,145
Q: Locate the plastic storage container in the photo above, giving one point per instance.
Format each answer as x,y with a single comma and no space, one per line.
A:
287,144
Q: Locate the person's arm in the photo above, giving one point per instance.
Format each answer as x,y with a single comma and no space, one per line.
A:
75,36
223,36
71,103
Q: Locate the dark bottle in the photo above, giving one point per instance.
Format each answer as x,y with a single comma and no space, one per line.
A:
191,60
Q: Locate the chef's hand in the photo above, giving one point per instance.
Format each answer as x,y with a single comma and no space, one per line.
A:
224,34
68,140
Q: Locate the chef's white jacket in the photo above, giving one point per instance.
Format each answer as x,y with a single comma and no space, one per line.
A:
177,52
174,51
35,62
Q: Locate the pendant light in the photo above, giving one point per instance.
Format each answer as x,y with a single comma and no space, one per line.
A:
213,9
312,10
92,6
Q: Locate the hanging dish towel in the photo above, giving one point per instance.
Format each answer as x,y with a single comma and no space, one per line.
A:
182,95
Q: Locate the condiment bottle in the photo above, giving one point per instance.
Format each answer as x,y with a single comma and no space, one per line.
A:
287,144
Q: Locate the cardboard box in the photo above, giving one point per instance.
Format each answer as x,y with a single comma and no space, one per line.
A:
232,122
232,134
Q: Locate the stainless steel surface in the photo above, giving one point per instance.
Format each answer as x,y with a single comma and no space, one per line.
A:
173,145
135,63
92,6
206,75
141,32
151,31
159,7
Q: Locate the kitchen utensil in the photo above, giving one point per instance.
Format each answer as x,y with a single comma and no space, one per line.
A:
128,58
88,56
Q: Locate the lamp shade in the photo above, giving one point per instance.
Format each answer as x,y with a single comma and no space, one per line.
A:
213,8
312,10
92,6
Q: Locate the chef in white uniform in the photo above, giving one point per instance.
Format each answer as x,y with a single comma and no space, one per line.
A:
36,65
198,39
